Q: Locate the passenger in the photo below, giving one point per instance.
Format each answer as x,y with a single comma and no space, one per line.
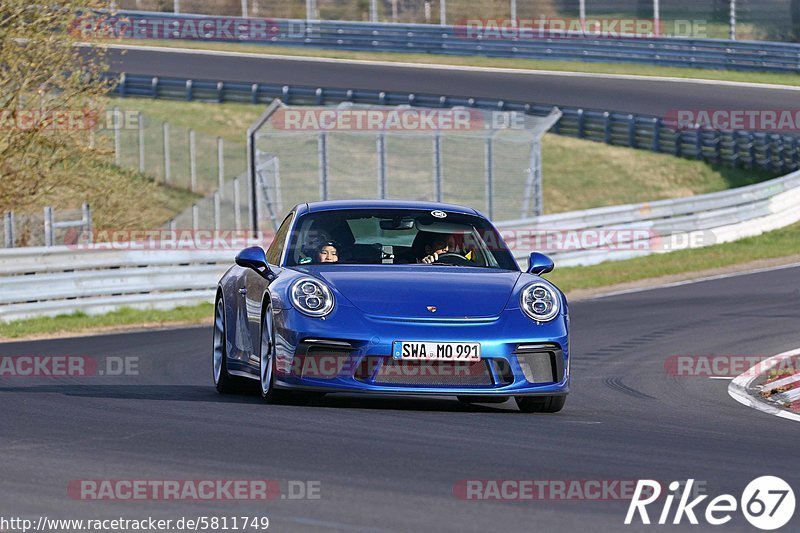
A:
327,253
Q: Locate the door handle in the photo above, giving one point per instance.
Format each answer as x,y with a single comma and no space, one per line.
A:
243,291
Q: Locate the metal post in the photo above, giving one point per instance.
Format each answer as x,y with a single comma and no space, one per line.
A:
538,190
237,206
86,218
513,9
582,15
48,226
733,20
657,17
167,162
443,12
176,6
322,152
394,11
373,10
244,8
117,137
221,166
437,167
217,211
381,142
195,217
192,160
252,176
9,229
489,173
140,125
276,178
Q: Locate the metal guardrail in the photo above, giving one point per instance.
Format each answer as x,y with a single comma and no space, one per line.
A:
456,40
778,153
61,279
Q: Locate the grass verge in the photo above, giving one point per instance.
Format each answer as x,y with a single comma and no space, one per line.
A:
478,61
120,319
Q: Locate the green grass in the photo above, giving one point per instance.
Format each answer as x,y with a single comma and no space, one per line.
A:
78,322
783,242
477,61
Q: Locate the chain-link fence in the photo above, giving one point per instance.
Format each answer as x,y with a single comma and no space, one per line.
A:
487,160
178,157
754,19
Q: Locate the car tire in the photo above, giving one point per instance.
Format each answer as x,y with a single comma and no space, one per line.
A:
482,399
223,381
266,366
541,404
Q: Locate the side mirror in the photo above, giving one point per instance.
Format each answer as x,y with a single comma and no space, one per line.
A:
255,258
539,264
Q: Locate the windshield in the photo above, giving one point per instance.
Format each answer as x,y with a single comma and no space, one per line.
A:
394,237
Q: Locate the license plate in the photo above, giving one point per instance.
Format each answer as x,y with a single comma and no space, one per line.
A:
436,351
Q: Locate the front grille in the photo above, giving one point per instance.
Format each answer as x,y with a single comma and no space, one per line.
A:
429,373
322,359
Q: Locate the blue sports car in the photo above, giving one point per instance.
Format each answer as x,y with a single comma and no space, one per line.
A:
390,297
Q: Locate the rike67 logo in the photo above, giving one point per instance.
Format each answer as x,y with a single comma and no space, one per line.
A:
767,503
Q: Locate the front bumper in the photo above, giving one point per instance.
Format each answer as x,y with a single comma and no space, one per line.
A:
348,352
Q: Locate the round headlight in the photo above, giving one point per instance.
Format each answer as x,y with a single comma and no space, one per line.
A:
311,297
540,302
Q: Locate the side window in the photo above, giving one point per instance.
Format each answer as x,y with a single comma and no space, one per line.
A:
275,249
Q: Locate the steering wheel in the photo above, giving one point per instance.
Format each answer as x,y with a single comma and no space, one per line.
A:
451,258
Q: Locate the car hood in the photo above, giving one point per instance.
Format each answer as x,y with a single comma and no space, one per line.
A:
407,291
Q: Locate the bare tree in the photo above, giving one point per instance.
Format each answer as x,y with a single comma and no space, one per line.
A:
51,93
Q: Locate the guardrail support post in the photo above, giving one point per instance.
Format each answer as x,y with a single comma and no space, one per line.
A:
632,131
513,9
489,169
9,229
656,135
733,21
373,10
192,160
195,217
437,167
221,166
167,158
86,218
443,12
581,124
140,126
381,148
322,153
244,9
48,226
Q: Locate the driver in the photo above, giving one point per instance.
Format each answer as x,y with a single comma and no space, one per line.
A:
437,245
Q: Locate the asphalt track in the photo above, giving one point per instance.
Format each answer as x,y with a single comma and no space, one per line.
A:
654,97
391,464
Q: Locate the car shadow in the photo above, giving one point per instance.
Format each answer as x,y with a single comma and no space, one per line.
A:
250,395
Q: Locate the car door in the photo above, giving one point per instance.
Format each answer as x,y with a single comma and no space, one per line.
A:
255,285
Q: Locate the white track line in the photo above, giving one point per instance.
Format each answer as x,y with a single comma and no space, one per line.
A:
436,66
739,386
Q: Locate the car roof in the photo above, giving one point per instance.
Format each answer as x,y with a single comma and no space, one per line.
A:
338,205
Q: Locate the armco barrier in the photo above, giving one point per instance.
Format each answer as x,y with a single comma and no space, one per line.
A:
778,153
456,40
61,279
